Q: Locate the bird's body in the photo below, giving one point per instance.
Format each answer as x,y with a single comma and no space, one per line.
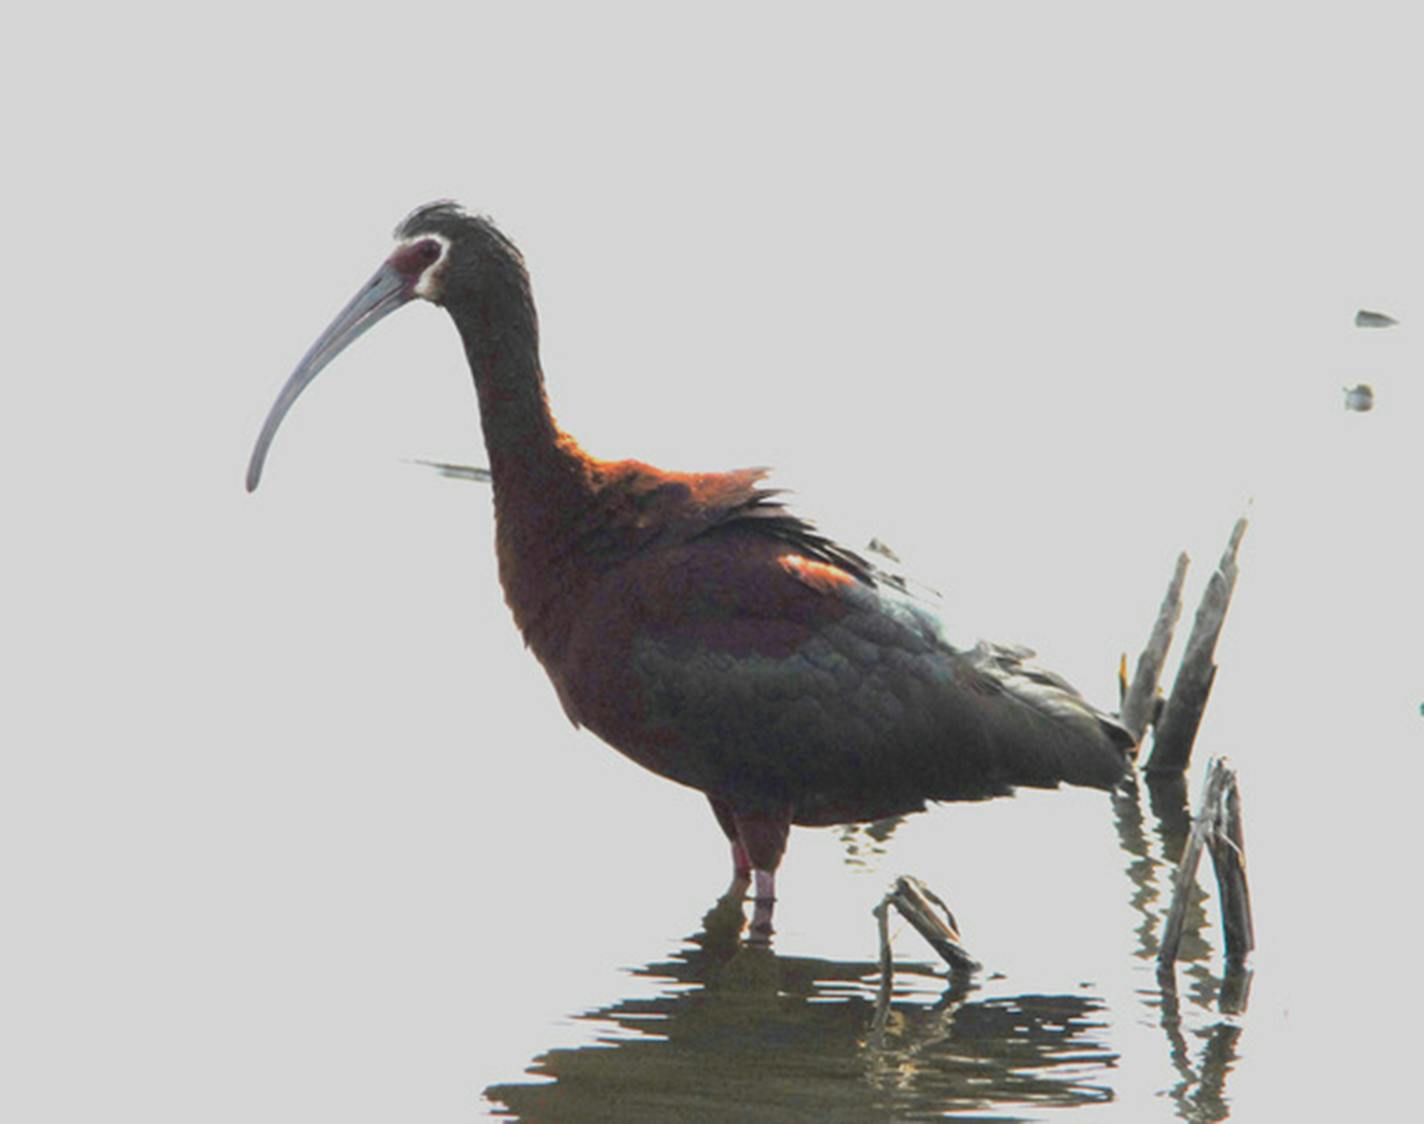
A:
697,625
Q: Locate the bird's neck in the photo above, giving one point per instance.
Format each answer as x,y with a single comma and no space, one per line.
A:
545,486
500,331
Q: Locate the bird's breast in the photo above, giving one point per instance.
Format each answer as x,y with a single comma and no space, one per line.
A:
671,655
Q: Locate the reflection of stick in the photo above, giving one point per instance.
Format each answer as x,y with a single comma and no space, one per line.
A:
917,904
887,974
1218,827
1228,856
1141,698
1172,743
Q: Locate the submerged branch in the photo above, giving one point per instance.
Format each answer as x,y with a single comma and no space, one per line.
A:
1218,828
931,918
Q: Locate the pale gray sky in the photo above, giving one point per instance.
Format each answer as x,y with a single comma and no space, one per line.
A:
1039,294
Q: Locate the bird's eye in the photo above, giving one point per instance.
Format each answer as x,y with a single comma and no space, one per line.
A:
428,251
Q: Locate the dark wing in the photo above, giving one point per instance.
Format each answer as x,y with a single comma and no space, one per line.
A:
819,684
765,513
654,509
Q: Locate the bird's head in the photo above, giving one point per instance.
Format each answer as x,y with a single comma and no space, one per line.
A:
443,254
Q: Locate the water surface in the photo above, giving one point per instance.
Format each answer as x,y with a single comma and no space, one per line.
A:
723,1028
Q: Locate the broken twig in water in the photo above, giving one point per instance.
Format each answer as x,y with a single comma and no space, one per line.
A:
1177,729
1140,702
932,919
1217,826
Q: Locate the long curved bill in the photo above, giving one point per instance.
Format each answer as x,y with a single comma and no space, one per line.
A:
385,292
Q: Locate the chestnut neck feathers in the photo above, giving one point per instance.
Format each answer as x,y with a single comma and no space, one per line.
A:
562,517
545,488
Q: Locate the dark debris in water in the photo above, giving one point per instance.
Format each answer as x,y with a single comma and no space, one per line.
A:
1360,397
1365,318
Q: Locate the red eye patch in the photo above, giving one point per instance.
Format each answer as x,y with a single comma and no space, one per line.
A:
413,260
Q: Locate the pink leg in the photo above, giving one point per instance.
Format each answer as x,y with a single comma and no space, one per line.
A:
762,905
766,886
764,838
741,862
758,841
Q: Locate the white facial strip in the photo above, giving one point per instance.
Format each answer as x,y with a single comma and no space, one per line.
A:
431,283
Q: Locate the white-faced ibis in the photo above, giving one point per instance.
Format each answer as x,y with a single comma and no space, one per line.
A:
699,626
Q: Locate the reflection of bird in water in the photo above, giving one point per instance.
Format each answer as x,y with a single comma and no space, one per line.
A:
697,624
868,839
689,1052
